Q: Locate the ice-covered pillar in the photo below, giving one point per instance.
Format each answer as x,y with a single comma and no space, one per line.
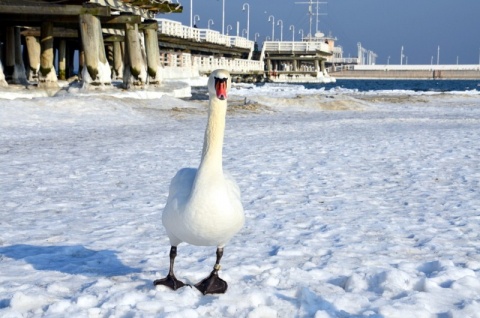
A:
19,76
323,69
47,76
317,65
135,70
96,70
33,48
62,60
118,53
3,82
152,50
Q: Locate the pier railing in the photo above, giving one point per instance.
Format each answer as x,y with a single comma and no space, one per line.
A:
177,29
207,64
286,47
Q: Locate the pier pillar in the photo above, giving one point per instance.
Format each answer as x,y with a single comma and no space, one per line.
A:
269,65
317,65
81,63
47,76
9,53
3,82
118,56
97,70
33,48
322,67
18,76
152,50
62,60
135,70
295,65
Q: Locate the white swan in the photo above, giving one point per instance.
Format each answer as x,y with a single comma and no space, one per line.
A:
203,206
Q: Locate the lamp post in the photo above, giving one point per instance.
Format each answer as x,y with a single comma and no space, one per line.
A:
229,27
272,18
223,17
248,18
292,28
388,60
438,55
191,13
208,23
401,56
257,35
196,18
280,23
301,32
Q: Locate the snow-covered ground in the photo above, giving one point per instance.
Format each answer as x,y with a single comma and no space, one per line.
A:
357,205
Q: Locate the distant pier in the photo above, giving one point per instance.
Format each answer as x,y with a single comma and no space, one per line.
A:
426,72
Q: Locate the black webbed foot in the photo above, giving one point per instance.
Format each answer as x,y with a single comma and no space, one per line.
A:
212,284
170,281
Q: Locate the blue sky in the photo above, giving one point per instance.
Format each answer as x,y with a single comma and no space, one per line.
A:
382,26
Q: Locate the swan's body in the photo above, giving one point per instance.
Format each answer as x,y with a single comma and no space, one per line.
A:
203,206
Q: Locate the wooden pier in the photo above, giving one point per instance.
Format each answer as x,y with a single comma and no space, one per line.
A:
108,35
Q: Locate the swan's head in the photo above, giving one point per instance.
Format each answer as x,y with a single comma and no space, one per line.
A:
219,83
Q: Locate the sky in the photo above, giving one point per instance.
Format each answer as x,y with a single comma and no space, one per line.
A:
382,26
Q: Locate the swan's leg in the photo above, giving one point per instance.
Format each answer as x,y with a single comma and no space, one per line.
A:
213,284
170,281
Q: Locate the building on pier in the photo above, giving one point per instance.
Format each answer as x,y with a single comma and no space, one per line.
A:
299,61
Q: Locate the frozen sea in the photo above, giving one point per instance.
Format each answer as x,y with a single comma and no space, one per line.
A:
359,203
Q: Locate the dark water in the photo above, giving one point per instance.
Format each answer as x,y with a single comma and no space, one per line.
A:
411,85
200,93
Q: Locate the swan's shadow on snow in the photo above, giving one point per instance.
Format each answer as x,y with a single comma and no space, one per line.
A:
75,260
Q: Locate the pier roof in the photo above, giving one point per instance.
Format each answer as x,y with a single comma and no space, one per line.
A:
28,10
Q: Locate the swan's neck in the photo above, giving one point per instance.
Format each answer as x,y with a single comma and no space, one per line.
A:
211,163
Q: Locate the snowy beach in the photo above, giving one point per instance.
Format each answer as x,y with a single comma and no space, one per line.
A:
358,204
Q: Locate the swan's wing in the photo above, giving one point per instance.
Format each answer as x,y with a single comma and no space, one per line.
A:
232,185
179,191
181,184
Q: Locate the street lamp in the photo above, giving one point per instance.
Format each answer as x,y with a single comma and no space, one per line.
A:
272,18
196,18
248,18
208,24
280,23
257,35
229,27
301,32
292,28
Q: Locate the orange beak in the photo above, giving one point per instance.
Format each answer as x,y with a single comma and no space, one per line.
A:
221,88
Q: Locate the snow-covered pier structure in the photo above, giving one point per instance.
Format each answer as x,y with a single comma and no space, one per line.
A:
45,40
106,36
298,61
